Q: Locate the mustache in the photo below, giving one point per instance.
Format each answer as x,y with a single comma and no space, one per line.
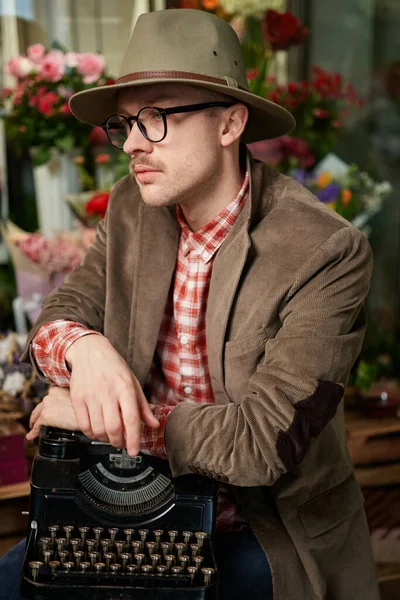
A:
144,163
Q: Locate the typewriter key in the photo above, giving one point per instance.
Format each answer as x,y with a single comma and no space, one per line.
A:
75,544
186,536
54,564
169,560
158,533
200,537
53,530
151,547
191,572
161,569
137,546
208,572
91,545
195,549
197,561
83,531
45,541
184,560
113,532
180,548
109,557
139,559
46,556
172,535
97,532
34,566
84,566
106,543
63,555
68,530
176,570
129,533
146,569
119,546
166,548
68,566
79,555
99,567
61,543
155,560
125,558
143,534
114,568
132,569
94,557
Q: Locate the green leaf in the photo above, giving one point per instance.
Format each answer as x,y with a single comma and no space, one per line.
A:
40,156
66,143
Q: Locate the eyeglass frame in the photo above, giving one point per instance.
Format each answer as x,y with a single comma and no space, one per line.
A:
164,112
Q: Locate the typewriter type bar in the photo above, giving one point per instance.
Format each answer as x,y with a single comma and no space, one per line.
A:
105,527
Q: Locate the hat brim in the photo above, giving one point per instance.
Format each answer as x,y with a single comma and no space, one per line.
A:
267,120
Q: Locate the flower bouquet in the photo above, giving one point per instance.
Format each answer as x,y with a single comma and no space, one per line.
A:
36,111
345,188
40,263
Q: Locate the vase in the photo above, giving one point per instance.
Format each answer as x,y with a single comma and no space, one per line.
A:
53,181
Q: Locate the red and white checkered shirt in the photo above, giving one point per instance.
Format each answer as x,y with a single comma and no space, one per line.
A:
179,372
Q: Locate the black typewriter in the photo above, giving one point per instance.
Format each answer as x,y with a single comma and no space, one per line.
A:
106,526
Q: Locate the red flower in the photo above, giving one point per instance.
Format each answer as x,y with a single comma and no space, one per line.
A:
283,30
66,109
98,137
97,205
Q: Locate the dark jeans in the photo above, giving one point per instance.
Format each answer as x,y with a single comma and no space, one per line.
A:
242,567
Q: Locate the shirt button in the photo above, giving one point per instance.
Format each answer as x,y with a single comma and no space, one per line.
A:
191,285
187,389
184,339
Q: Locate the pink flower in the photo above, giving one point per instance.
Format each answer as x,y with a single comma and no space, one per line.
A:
52,68
36,52
91,66
19,66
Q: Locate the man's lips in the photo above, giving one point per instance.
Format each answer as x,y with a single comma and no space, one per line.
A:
143,169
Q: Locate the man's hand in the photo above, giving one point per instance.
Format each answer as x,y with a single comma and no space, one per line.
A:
56,410
108,400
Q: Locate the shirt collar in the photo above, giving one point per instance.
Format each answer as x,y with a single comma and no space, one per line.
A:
206,241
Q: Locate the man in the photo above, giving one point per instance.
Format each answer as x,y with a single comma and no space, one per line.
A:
215,320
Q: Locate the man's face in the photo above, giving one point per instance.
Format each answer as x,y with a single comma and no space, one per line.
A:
181,168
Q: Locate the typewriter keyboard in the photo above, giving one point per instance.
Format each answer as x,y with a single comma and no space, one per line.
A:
122,556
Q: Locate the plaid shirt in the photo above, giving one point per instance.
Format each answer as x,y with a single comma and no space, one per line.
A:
179,372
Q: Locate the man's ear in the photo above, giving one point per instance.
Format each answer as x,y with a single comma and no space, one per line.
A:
234,122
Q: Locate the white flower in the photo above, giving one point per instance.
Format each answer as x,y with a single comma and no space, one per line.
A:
6,346
14,383
247,8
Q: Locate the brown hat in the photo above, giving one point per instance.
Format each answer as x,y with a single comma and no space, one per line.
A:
185,46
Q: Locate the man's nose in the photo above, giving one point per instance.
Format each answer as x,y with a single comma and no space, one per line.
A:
136,142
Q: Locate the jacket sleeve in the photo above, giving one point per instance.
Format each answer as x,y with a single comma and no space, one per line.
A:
297,386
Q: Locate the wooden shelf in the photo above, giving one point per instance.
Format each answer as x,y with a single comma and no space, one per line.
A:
16,490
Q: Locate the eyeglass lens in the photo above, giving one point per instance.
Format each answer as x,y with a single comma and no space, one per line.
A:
150,123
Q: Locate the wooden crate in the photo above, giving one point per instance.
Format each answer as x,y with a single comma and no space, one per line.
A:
374,445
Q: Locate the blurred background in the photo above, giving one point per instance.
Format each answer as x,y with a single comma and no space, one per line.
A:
334,65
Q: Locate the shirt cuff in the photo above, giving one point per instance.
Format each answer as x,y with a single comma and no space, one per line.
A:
152,440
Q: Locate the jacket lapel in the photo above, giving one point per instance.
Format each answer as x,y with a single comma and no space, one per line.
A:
157,247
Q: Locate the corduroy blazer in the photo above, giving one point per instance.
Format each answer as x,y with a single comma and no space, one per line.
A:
284,325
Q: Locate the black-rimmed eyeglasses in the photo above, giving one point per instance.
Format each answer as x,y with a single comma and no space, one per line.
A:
151,121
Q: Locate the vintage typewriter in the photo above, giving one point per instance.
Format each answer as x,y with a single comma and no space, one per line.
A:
106,526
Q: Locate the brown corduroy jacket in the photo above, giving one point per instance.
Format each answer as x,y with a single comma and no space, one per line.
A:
284,325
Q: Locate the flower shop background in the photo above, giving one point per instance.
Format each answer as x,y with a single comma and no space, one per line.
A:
336,66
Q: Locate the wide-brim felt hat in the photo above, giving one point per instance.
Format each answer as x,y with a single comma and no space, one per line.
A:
185,46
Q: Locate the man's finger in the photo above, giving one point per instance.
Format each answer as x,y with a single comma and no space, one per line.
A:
35,414
83,419
131,422
145,412
113,424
